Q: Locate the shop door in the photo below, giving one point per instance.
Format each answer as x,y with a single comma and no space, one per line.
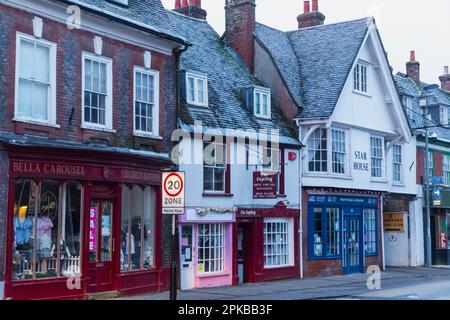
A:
353,247
101,246
186,258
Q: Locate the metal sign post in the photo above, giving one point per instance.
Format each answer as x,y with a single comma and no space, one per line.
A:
173,204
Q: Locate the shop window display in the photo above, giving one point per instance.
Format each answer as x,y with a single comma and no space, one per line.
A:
137,228
46,229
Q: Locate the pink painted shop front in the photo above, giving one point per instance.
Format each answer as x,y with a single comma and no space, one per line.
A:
206,248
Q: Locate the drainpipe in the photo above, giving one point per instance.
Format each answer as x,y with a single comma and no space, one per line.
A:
382,233
300,160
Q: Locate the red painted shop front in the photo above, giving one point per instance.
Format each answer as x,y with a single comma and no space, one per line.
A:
266,244
81,223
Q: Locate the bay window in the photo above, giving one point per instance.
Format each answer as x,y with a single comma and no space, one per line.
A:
377,157
47,229
35,80
137,248
97,92
214,167
211,248
397,165
146,102
278,242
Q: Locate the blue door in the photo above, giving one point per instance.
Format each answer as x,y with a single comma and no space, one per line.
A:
353,254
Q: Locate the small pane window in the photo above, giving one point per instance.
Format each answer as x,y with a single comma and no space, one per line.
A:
339,154
317,151
211,248
376,146
262,107
360,78
276,243
214,167
446,170
370,231
397,165
196,90
146,99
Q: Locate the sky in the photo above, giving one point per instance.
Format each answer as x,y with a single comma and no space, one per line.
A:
420,25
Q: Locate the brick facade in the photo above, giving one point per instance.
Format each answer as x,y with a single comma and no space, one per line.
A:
71,44
240,23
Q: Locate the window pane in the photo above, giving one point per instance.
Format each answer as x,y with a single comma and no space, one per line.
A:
201,92
136,226
265,105
27,194
40,101
211,250
88,74
24,108
106,230
149,227
42,67
125,245
276,244
318,237
95,76
103,78
27,62
191,90
71,231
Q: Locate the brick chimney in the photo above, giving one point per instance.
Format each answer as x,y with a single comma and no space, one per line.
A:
310,17
240,23
445,79
413,68
190,8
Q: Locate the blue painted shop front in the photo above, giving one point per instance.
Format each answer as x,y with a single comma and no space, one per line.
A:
343,228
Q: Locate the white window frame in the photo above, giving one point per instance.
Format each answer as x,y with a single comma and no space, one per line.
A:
446,169
331,151
220,258
155,74
197,77
51,108
359,81
308,158
383,158
215,167
263,92
108,126
290,234
394,163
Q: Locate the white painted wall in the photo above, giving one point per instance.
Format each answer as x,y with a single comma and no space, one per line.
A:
397,246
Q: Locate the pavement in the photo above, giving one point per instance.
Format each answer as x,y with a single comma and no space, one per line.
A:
396,283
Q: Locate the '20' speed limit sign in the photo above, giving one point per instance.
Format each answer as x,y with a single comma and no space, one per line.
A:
173,193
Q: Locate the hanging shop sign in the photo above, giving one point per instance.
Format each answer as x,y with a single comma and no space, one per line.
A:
264,185
394,222
173,193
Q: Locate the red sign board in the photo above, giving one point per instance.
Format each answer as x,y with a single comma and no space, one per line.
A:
443,240
264,185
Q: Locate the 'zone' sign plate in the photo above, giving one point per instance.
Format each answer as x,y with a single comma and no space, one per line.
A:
173,185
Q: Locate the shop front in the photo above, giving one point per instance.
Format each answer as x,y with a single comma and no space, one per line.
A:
440,228
343,233
82,223
266,245
206,247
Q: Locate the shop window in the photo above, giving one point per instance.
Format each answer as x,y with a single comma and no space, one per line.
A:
47,224
370,231
277,243
137,228
214,168
211,248
317,151
326,232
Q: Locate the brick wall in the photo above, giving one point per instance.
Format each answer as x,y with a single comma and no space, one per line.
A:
420,165
3,208
438,168
70,44
240,24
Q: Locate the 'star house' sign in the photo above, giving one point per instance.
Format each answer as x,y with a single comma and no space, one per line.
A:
361,161
264,185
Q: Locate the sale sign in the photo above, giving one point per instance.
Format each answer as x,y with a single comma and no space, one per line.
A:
93,230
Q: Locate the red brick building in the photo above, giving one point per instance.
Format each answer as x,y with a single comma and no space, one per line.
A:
88,104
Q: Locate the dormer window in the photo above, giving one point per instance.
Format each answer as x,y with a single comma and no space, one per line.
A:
262,105
197,89
360,77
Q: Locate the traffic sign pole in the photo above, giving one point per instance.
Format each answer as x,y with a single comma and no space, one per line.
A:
173,269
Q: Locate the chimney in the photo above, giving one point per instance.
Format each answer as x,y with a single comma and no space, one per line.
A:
413,68
310,18
239,27
445,79
190,8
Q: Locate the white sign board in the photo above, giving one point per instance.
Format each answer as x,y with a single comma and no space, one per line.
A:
173,185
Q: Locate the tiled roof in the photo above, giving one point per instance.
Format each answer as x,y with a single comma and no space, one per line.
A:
149,14
315,62
226,78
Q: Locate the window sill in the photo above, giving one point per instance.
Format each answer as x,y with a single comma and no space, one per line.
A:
361,93
146,135
217,195
212,274
326,175
279,267
398,184
374,180
38,123
97,128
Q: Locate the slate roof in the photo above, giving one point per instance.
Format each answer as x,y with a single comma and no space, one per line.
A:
147,14
226,78
407,87
315,62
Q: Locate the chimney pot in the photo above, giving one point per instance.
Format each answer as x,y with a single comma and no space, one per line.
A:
306,7
184,3
315,5
412,56
446,70
191,8
177,4
413,68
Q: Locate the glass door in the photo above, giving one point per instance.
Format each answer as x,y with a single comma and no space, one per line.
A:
353,248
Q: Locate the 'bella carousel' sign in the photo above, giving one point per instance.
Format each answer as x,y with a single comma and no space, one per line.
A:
48,169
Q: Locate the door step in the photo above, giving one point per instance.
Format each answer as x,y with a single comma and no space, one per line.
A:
103,295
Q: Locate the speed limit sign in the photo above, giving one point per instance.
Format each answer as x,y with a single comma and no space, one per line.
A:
173,193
